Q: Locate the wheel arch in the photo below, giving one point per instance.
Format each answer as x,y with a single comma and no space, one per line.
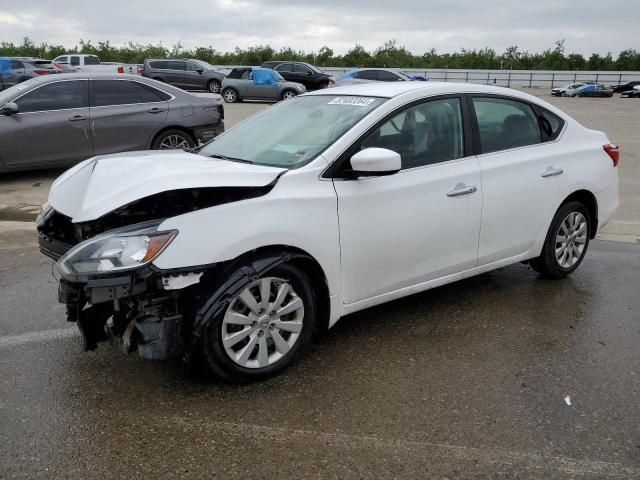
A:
172,127
588,199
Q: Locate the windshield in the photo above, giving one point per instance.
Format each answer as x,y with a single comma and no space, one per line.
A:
292,132
11,92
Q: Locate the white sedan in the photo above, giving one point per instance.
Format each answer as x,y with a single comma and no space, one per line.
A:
320,206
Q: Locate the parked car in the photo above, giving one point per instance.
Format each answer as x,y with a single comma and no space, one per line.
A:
62,119
633,92
590,90
562,90
308,75
185,73
248,83
15,70
323,205
42,66
72,62
625,87
368,75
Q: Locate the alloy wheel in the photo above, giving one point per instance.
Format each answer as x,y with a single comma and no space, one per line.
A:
229,96
288,94
262,323
174,142
571,239
214,86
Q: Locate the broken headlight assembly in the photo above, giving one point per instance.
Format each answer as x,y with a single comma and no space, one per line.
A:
116,251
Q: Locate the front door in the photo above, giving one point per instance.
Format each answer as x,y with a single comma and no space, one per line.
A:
421,223
52,126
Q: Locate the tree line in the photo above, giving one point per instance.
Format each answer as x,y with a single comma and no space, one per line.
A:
389,55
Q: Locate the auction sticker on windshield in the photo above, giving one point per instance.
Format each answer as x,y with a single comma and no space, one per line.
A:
356,101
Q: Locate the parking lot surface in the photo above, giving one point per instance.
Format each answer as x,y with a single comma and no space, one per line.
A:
504,375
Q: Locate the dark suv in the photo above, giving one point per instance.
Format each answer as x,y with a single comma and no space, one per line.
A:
184,73
311,77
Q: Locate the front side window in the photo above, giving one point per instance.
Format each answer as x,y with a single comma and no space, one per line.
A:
55,96
285,67
424,134
505,124
91,60
75,61
192,67
366,75
294,132
175,65
124,92
299,68
61,60
16,64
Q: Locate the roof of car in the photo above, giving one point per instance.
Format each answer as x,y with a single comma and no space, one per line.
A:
394,89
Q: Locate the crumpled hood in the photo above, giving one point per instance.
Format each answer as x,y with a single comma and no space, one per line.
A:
101,184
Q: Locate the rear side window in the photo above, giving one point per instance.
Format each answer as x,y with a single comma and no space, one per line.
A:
16,64
75,61
91,60
367,75
160,65
174,65
55,96
285,67
550,124
385,76
505,124
236,73
124,92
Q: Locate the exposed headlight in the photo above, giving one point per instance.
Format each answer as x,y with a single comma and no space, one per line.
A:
115,251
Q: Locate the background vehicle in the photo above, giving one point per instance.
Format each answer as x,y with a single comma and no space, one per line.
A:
61,119
625,87
590,90
276,227
562,91
632,92
248,83
367,75
184,73
42,66
14,70
72,62
308,75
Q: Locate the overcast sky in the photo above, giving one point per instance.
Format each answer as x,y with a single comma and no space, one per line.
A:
587,25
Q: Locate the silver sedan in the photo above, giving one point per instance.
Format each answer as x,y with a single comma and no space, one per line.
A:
63,119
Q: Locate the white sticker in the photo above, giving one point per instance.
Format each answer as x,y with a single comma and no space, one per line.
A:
355,101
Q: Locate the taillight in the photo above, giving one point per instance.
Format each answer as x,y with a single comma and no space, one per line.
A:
40,71
613,151
120,69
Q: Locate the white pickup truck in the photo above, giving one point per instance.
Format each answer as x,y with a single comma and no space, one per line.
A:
73,62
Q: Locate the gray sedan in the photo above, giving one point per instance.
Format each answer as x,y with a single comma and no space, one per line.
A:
258,84
62,119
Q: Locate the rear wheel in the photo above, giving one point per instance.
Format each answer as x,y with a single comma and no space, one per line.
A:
262,328
173,140
213,86
566,243
230,95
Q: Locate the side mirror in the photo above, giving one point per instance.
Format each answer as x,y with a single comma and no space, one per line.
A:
199,70
309,73
9,109
375,162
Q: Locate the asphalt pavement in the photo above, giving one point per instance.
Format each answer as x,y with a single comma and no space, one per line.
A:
470,380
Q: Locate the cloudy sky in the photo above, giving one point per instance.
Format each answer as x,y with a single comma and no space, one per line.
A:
587,25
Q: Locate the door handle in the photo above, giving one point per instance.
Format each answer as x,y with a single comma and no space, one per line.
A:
77,118
156,110
462,189
551,172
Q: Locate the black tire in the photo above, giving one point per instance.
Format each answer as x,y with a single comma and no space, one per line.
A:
288,93
214,86
230,95
218,362
166,137
323,84
547,264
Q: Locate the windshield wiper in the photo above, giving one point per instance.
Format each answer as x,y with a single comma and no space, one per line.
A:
231,159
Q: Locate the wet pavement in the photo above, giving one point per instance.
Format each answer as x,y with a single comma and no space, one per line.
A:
463,381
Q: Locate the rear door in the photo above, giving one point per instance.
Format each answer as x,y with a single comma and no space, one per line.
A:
522,176
125,115
51,128
175,73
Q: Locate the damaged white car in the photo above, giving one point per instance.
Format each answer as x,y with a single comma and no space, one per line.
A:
320,206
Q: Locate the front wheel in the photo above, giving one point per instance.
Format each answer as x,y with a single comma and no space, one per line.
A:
287,94
213,86
230,95
566,243
262,328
